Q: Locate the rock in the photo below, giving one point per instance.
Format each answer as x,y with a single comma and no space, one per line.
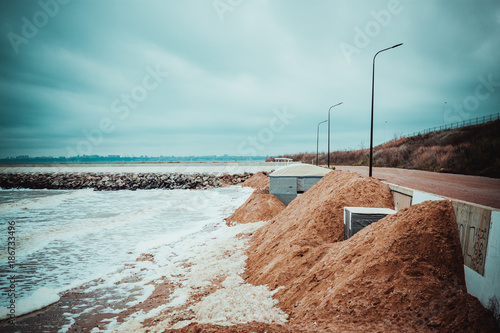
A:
129,181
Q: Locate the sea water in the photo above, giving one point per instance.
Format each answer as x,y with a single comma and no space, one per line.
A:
69,238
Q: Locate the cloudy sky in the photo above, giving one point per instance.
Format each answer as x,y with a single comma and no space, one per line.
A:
238,77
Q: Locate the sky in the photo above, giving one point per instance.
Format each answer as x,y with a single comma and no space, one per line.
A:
238,77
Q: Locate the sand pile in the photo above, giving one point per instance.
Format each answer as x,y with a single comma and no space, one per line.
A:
298,237
404,273
258,207
258,181
252,327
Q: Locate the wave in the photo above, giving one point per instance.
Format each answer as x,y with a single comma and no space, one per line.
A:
46,198
38,300
68,231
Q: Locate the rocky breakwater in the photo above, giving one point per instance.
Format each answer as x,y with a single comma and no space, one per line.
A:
122,181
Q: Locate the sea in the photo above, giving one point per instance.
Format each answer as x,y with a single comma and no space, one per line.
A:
120,245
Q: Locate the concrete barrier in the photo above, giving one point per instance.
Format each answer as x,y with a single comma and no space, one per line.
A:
487,285
403,197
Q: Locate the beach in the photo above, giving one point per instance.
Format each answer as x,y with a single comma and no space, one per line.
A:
251,264
94,259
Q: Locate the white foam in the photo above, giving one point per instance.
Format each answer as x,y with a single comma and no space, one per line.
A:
100,235
39,299
237,302
164,239
207,257
66,327
50,199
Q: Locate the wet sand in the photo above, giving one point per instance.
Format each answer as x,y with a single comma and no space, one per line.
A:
89,306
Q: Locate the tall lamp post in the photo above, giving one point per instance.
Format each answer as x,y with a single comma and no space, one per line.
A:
371,127
317,141
329,131
444,104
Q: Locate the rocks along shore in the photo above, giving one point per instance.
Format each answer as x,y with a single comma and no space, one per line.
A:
121,181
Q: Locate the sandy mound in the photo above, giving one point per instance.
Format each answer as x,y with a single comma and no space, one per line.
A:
404,273
258,181
295,239
252,327
258,207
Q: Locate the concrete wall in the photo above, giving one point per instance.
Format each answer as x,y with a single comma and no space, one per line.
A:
479,232
403,196
419,197
488,285
474,223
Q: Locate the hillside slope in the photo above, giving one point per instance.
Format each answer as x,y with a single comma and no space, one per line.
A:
470,150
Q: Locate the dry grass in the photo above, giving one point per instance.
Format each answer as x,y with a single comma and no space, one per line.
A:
472,150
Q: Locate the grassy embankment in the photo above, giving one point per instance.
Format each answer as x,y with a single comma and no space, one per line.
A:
470,150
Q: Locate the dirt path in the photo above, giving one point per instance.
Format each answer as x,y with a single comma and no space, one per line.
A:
480,190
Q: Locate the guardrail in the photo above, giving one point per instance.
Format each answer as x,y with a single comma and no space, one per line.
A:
469,122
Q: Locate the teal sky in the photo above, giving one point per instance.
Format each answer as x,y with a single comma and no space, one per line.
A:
238,77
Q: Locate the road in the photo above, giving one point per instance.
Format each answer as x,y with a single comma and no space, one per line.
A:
481,190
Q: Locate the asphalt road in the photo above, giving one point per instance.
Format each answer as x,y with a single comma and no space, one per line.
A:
481,190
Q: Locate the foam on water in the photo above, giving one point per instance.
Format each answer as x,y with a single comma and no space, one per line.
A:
92,240
39,299
22,199
67,238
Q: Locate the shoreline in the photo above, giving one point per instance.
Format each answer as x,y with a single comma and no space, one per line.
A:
313,275
210,241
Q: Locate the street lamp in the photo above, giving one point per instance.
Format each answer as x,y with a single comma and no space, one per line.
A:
385,124
371,128
443,112
329,131
317,141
